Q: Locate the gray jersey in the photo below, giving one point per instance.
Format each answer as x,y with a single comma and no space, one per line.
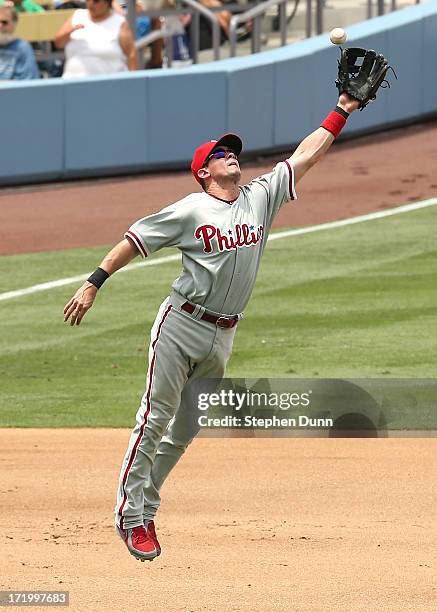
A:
221,242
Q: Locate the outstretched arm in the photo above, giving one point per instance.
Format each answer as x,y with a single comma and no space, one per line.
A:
314,146
83,299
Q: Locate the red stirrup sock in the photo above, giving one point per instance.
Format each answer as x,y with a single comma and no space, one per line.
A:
335,121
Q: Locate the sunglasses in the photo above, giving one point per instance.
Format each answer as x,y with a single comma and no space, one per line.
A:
4,22
221,154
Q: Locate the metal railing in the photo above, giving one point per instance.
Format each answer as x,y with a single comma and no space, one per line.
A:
212,18
195,9
254,15
314,12
380,6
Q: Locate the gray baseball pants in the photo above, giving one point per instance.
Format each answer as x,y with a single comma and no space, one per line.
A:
182,348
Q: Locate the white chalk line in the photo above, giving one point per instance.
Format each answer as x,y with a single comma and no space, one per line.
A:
9,295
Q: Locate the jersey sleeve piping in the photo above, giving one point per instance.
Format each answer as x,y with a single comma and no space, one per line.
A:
291,187
138,242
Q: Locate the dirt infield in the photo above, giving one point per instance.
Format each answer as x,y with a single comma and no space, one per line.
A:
359,176
253,525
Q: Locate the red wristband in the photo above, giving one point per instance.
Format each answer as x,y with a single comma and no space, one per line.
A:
334,123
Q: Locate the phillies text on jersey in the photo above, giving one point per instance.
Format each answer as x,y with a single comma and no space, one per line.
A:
240,236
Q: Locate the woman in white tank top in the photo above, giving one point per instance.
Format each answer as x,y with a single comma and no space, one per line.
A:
97,40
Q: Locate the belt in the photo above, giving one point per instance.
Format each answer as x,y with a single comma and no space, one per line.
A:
225,322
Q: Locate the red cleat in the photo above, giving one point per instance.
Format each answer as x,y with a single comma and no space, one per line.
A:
139,543
152,535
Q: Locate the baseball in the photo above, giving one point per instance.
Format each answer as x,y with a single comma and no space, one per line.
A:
338,36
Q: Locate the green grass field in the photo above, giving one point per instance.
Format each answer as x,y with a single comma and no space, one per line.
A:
358,301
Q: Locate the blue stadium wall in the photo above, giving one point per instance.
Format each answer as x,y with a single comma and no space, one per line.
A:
154,119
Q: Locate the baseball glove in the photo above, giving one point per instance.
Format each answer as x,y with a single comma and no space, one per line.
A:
361,80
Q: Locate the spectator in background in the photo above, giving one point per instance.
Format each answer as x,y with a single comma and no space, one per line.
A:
61,5
17,60
205,28
157,47
25,6
97,40
224,20
144,25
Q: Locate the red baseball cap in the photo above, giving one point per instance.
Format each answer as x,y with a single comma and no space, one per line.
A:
232,141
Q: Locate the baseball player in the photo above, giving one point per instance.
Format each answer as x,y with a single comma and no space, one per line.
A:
221,232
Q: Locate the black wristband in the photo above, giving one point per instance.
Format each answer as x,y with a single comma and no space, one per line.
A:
341,112
98,277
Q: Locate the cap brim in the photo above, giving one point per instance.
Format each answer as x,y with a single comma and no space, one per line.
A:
233,141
